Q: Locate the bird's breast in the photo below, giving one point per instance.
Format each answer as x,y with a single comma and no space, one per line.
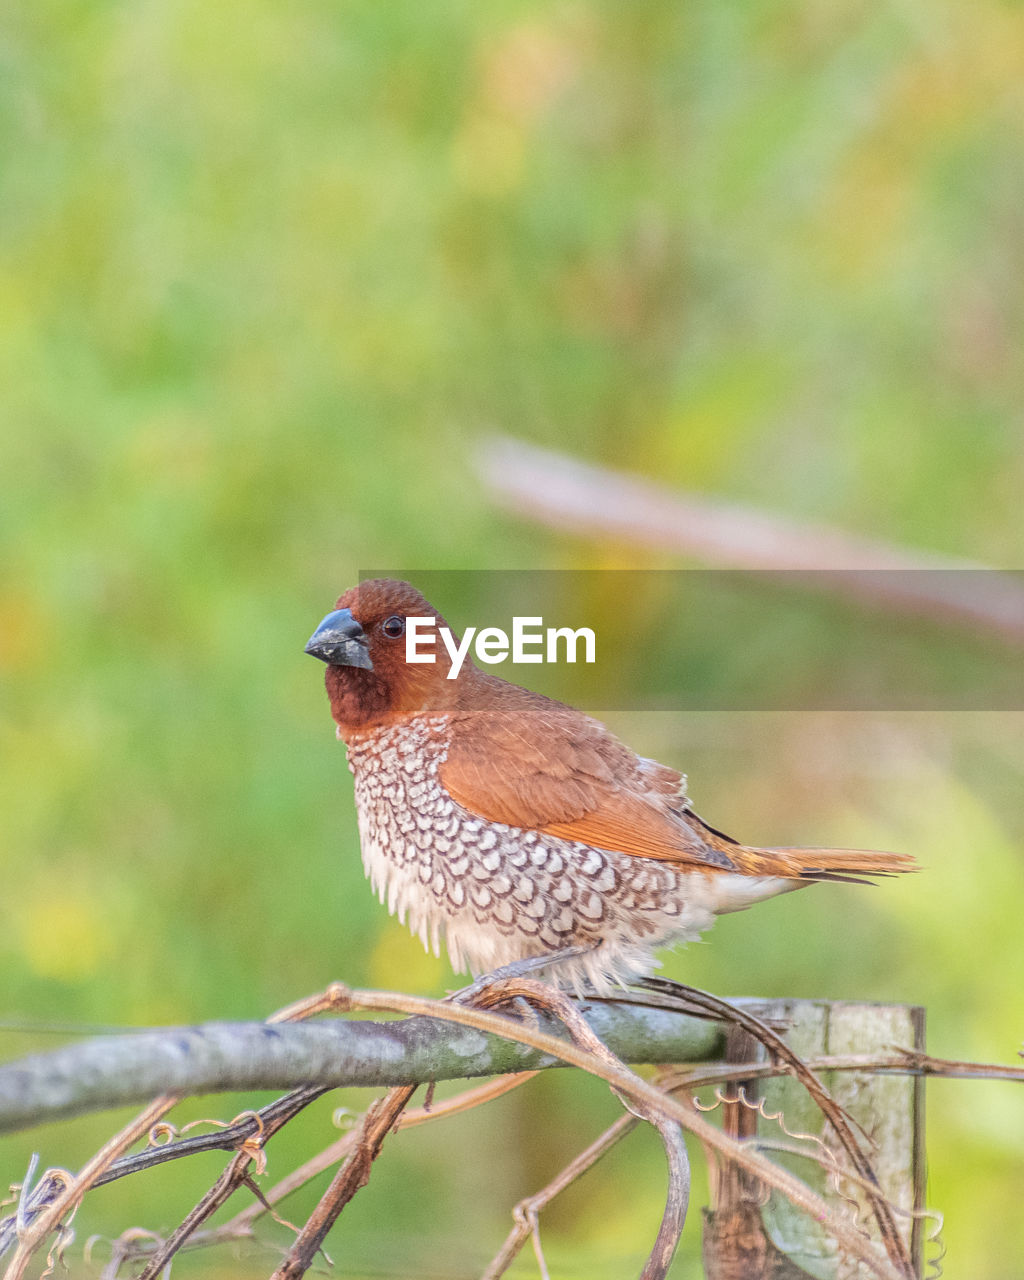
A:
410,831
497,893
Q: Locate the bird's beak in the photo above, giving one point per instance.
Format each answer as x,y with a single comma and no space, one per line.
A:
340,641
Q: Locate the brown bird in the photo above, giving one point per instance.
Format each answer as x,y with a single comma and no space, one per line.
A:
514,826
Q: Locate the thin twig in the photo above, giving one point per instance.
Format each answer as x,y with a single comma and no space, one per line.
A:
527,1211
228,1138
49,1219
237,1173
678,1195
240,1227
354,1174
677,1198
900,1062
465,1101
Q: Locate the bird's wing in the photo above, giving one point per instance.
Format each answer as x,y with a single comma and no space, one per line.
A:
553,770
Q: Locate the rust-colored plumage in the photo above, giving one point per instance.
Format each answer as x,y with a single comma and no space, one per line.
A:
512,825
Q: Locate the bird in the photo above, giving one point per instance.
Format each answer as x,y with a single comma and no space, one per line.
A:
514,828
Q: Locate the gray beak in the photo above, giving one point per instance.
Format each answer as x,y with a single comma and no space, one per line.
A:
340,641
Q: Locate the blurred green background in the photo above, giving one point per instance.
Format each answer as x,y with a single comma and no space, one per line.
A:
267,273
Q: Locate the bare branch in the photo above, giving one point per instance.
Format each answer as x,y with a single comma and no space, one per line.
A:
527,1211
229,1137
354,1174
111,1071
677,1199
134,1244
48,1219
566,493
900,1062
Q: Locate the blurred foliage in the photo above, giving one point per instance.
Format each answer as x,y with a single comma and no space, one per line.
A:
266,273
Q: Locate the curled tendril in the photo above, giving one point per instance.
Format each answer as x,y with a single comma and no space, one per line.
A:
125,1247
164,1133
824,1156
760,1105
344,1119
827,1159
253,1145
934,1237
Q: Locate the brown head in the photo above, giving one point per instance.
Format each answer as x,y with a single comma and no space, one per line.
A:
363,641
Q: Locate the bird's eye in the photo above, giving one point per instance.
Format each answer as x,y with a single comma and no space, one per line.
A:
394,626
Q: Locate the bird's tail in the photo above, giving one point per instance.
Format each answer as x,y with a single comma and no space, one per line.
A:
849,865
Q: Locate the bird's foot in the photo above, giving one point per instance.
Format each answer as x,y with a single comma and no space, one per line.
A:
511,972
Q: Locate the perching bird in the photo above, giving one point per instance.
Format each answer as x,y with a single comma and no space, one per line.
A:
514,826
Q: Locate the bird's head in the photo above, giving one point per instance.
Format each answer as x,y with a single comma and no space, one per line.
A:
363,642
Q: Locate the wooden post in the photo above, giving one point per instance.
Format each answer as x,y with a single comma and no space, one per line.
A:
750,1234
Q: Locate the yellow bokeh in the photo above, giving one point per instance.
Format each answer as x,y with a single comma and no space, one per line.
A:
489,155
62,935
23,631
398,961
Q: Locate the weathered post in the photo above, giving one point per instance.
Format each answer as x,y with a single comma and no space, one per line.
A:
751,1234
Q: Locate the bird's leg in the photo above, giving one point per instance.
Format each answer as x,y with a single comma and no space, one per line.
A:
518,969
